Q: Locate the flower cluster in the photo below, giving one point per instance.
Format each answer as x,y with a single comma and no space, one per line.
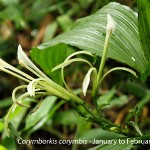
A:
38,85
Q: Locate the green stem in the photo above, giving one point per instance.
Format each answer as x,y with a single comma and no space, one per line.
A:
101,67
59,91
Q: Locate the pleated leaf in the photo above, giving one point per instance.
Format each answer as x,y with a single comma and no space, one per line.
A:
144,25
89,33
144,31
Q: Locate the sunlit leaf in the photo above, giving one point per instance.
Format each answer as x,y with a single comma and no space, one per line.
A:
89,34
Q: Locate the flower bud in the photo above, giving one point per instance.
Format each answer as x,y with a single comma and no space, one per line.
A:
111,25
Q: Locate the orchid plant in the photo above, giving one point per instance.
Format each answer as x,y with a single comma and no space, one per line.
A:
42,85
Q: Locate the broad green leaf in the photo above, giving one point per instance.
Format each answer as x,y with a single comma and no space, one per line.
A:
144,31
144,25
49,58
42,111
89,34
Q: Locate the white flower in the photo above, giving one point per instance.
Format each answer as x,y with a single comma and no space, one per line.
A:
111,25
42,85
38,85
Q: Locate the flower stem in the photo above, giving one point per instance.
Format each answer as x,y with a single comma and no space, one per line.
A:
101,67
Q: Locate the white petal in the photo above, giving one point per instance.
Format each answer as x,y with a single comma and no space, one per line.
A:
4,66
27,63
86,81
23,58
31,88
68,62
111,25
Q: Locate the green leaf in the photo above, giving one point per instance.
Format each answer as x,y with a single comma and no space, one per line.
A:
112,147
144,26
46,118
50,31
144,31
49,58
14,12
100,134
2,147
16,117
13,130
65,22
118,101
89,34
118,68
9,2
132,123
9,143
6,102
146,72
68,117
106,98
42,111
35,12
136,88
144,101
1,126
